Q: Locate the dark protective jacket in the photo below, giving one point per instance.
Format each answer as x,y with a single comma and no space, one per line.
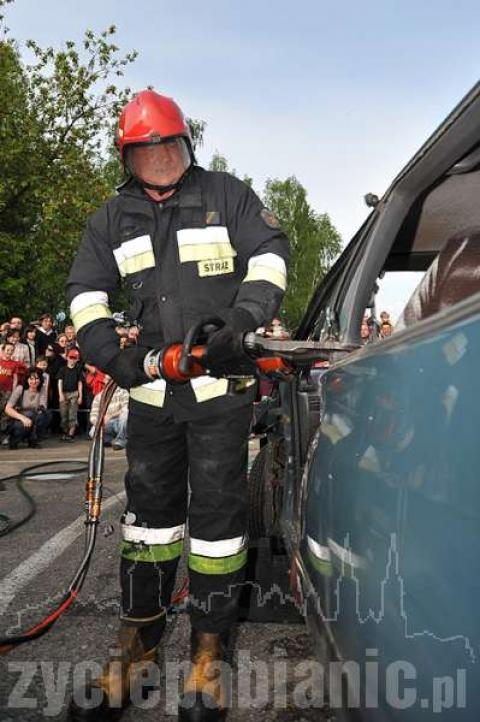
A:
210,247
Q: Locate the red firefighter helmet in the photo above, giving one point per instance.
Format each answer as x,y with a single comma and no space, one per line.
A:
152,119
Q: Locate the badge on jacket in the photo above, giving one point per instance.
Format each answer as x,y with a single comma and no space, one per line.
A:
215,267
270,219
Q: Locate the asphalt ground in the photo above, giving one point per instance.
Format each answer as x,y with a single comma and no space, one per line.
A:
270,663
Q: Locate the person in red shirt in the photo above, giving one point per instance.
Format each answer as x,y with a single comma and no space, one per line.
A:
8,376
95,380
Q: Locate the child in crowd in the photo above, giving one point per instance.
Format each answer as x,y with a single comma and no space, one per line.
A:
8,378
70,392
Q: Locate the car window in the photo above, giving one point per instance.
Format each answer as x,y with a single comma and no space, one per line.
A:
394,290
434,261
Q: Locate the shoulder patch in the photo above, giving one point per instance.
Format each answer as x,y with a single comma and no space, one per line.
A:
212,218
270,219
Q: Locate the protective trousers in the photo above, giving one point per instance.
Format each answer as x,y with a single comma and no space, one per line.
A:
165,458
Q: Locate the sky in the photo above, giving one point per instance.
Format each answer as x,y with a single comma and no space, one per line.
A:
339,94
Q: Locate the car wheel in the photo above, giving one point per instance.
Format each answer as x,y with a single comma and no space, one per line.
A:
260,496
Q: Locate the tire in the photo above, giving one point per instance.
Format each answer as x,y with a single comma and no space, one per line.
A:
268,566
260,499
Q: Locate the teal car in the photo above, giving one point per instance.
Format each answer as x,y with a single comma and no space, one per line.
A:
379,480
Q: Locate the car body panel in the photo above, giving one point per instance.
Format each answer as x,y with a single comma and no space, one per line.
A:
390,508
381,489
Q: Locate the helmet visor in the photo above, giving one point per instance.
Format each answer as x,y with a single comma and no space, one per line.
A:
158,163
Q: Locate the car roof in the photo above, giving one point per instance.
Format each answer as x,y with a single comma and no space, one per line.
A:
443,179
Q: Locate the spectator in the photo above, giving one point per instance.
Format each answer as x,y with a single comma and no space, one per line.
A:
42,366
54,361
132,334
374,327
45,392
20,355
276,330
8,378
71,337
16,323
121,330
94,379
25,409
29,342
20,352
386,326
4,330
365,330
54,364
125,342
61,346
70,391
370,328
116,417
45,334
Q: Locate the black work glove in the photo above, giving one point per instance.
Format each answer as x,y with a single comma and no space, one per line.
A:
224,354
126,368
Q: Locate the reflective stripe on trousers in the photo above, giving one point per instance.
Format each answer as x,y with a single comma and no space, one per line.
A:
165,457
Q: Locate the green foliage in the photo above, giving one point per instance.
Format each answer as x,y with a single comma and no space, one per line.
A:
219,163
197,130
56,159
314,243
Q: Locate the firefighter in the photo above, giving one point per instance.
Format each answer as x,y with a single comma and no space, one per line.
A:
188,244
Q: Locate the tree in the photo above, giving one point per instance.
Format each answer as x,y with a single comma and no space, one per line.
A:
55,166
197,130
314,243
218,162
57,159
18,210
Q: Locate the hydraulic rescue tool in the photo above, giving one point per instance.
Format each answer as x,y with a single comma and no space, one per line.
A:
176,363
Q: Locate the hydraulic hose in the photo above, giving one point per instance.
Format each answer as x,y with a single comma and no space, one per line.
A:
92,510
6,524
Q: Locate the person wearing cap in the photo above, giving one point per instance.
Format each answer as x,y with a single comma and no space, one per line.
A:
70,392
187,244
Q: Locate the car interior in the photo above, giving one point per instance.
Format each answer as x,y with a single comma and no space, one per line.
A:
441,237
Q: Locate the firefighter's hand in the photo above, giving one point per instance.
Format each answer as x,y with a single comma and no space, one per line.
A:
127,367
225,355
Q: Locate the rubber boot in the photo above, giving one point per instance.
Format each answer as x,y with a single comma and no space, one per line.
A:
204,697
128,659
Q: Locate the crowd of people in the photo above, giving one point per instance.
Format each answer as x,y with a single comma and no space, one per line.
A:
374,329
47,389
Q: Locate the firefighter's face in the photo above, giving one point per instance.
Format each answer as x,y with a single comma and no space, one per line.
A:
160,164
